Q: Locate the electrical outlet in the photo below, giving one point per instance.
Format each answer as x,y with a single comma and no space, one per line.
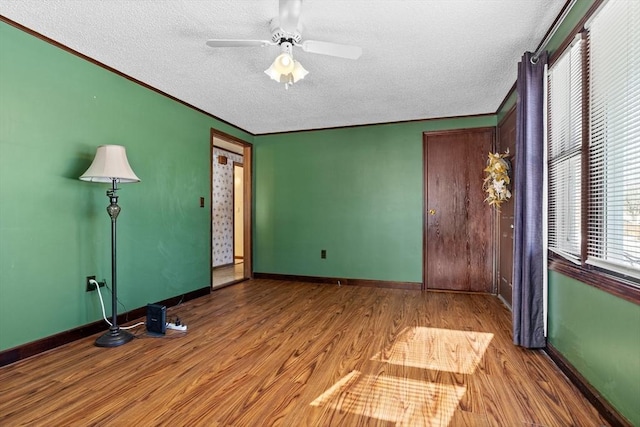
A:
323,254
91,286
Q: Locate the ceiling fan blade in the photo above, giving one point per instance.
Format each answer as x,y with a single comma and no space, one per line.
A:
290,14
238,43
332,49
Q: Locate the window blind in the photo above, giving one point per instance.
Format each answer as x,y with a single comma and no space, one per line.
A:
614,138
564,148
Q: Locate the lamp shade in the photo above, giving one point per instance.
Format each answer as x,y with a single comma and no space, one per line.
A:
110,163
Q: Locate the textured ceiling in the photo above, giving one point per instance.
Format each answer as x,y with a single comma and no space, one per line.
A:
421,59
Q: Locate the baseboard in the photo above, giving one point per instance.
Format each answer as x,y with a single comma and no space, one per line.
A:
15,354
334,280
506,304
605,409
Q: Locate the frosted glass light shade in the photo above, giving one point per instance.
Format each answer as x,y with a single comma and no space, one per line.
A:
283,63
298,72
110,163
271,72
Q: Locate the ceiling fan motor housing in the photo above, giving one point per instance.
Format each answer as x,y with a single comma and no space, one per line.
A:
278,35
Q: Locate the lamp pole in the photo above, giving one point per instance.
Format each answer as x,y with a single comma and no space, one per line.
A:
116,336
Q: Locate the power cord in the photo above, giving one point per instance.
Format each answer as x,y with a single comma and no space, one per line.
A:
104,315
178,326
124,307
179,302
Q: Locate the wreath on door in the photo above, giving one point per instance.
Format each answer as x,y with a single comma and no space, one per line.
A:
497,181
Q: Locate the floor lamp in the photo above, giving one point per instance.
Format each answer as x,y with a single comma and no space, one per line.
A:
110,165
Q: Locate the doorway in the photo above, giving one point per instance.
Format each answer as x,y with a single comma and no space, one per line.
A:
230,210
458,224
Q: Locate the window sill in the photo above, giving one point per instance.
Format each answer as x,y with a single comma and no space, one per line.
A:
585,274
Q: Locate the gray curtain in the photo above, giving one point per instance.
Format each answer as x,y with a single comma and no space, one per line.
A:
528,268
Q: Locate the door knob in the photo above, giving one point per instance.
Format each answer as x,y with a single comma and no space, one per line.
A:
432,211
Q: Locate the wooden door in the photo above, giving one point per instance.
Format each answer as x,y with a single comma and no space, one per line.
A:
506,141
458,236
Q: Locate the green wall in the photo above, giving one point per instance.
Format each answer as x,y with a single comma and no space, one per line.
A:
600,335
55,109
355,192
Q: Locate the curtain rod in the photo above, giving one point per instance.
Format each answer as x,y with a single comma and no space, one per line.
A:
553,30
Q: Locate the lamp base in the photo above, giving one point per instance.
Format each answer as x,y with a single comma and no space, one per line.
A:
114,338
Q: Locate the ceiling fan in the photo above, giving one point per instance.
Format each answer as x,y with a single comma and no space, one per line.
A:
285,32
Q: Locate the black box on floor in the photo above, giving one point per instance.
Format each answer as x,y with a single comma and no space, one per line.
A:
156,319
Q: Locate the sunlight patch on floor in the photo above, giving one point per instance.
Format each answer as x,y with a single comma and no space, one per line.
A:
403,401
437,349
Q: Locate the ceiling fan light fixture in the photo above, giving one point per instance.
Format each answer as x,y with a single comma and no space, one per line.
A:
282,66
286,70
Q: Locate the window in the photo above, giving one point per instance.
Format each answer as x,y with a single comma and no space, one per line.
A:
564,112
598,170
614,143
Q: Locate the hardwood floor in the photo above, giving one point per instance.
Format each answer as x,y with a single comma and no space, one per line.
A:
291,354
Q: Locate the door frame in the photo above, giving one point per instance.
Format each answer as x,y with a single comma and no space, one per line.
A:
247,164
237,165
